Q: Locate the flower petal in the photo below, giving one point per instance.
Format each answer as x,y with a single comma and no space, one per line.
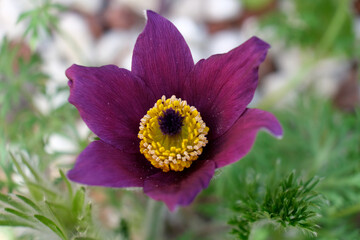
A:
111,101
237,142
221,86
101,164
161,56
180,188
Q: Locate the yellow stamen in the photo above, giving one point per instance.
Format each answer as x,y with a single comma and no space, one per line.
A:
172,152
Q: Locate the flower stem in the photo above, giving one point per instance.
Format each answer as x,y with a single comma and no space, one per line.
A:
334,28
154,221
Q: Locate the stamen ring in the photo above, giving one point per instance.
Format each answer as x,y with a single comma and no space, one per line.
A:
177,144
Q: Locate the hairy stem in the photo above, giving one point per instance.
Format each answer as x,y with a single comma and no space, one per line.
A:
154,220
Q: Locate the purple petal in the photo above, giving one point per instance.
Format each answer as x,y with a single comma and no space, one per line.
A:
100,164
161,56
237,142
111,101
180,188
221,86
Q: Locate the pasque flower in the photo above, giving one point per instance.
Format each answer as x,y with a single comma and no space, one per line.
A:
168,124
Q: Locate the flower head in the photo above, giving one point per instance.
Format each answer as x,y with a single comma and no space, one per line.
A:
167,124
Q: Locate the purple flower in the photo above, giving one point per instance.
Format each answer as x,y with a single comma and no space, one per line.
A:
167,124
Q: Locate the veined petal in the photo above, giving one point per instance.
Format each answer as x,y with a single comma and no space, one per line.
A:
161,56
221,86
101,164
111,101
238,140
180,188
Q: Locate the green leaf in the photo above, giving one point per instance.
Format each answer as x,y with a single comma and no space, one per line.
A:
68,184
32,170
88,212
78,202
13,221
59,6
29,202
17,165
54,205
19,214
290,203
10,201
51,225
45,190
23,16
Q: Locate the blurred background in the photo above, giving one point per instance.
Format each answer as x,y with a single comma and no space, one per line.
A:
304,186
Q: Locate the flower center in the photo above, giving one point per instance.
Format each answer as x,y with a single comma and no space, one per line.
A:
172,134
171,122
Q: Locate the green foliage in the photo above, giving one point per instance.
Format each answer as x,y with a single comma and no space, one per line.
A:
50,224
292,203
68,216
23,124
255,4
318,140
20,78
323,25
17,88
124,230
41,19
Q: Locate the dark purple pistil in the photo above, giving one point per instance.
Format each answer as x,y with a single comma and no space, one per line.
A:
171,122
